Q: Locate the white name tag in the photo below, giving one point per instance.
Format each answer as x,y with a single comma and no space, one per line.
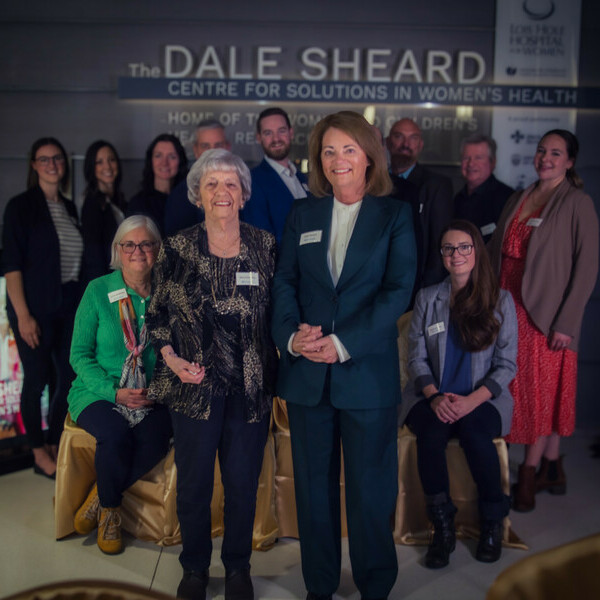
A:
311,237
117,295
436,328
489,228
250,278
534,222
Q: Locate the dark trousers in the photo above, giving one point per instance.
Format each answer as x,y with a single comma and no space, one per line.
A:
369,441
48,364
124,453
475,432
241,448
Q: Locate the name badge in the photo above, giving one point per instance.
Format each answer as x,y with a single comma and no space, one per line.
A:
489,228
117,295
534,222
250,278
436,328
311,237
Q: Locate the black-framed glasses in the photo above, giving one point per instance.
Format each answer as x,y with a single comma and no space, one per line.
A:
129,247
46,160
463,249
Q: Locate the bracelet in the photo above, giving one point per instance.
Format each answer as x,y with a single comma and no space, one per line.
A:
169,353
434,396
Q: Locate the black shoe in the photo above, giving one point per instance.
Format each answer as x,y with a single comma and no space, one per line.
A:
193,586
39,471
490,541
311,596
238,585
444,535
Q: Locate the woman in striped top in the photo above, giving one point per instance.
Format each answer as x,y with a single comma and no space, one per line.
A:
42,263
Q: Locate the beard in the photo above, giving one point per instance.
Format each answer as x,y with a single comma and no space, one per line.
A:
277,153
402,160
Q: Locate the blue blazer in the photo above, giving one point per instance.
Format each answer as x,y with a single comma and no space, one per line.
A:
494,367
271,200
373,290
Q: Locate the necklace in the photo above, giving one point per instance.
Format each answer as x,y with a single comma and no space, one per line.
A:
225,250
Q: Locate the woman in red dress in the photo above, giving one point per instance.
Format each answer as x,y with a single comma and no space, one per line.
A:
546,251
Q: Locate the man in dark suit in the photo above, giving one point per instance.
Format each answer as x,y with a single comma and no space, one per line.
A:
482,199
432,206
276,182
180,213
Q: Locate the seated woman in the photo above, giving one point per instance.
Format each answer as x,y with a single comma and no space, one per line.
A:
113,360
462,356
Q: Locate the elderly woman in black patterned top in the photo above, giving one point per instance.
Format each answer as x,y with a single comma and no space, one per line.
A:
209,321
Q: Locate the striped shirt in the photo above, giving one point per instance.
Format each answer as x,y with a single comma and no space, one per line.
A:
70,241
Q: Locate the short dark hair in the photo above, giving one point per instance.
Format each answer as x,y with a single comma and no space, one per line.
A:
269,112
378,182
32,176
89,168
481,138
148,173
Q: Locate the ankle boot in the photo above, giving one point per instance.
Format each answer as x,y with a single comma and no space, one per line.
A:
551,477
524,490
444,535
489,547
86,518
109,530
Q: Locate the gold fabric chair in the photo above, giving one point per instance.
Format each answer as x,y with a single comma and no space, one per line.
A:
149,508
568,571
88,589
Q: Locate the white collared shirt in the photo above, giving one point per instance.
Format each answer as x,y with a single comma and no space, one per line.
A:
343,220
288,176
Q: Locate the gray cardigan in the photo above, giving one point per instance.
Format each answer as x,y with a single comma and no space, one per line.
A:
562,259
494,367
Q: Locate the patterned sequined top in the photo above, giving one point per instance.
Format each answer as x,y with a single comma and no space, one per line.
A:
217,312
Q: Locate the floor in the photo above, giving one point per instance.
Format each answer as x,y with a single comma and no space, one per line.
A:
29,555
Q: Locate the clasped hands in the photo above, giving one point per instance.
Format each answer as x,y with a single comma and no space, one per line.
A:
133,398
188,372
310,342
450,407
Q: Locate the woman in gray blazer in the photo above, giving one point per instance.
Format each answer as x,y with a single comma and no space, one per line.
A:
462,356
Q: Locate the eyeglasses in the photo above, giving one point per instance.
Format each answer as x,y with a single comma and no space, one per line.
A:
46,160
463,249
129,247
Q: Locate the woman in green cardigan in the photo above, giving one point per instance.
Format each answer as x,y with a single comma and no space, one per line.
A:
114,362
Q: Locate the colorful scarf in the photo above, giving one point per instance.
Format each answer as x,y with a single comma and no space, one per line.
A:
133,374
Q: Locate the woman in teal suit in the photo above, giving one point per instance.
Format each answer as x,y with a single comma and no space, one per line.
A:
345,275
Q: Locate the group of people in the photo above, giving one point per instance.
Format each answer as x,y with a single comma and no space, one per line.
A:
182,338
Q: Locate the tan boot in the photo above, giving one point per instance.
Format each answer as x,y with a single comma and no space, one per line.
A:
109,530
524,490
86,518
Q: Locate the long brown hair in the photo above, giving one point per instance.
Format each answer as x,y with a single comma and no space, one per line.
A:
572,146
473,307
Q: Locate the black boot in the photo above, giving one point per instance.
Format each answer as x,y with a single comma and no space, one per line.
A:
441,512
490,541
193,585
238,585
